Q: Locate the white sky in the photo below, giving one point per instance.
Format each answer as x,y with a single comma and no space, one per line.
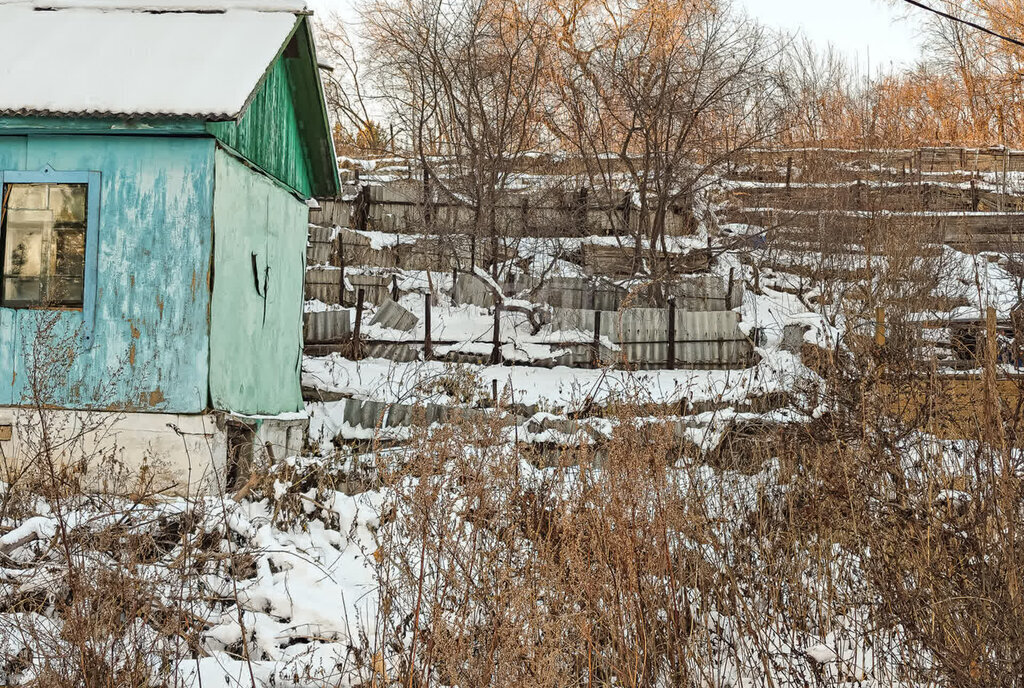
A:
858,27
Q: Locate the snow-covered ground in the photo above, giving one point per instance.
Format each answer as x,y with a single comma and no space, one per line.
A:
282,586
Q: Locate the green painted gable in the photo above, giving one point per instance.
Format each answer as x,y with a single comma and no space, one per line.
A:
284,129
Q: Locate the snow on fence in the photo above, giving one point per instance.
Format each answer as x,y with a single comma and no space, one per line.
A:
700,292
944,159
978,231
358,419
323,283
400,206
875,197
339,246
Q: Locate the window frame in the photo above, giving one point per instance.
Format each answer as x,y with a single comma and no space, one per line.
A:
91,180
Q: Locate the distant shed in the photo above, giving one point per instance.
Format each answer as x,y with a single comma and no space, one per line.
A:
155,163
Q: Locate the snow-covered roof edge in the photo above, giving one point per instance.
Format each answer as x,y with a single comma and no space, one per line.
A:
137,64
202,6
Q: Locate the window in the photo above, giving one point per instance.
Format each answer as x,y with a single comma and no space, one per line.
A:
43,238
49,240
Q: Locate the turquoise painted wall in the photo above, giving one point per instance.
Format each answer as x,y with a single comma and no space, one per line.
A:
256,329
151,343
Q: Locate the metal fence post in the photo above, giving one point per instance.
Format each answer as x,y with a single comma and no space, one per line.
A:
428,347
359,321
496,350
671,357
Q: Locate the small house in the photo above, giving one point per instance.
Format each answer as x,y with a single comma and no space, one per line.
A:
156,160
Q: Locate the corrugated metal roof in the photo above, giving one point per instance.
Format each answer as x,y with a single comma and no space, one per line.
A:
115,58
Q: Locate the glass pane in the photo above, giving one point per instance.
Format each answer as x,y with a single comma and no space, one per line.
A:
44,244
28,196
70,254
67,201
26,232
65,291
22,292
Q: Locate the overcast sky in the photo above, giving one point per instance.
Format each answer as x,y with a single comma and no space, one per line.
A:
858,27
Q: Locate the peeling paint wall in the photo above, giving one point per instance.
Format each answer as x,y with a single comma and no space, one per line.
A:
256,313
150,346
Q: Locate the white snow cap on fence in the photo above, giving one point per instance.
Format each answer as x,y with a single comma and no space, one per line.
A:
201,58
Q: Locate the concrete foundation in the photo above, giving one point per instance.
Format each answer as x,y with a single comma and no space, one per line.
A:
145,453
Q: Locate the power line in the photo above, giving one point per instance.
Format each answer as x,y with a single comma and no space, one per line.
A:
966,22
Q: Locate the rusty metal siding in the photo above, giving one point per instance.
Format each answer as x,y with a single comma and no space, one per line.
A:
150,346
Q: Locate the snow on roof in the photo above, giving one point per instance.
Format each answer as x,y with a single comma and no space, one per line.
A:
200,58
166,5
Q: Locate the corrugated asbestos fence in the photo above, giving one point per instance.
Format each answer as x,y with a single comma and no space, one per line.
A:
325,327
342,246
945,159
709,339
325,284
701,292
894,197
971,231
400,206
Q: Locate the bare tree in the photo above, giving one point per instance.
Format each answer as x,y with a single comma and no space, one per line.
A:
463,79
655,95
348,102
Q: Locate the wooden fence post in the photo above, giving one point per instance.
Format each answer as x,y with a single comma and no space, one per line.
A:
428,346
356,346
595,353
494,391
472,254
362,209
789,172
496,349
627,206
671,357
729,288
581,211
394,288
